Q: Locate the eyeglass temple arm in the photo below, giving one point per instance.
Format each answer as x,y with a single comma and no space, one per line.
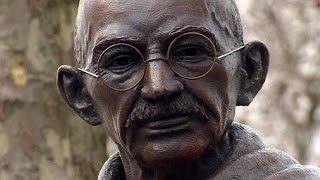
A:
231,52
90,73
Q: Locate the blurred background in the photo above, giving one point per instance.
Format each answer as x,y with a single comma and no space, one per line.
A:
40,138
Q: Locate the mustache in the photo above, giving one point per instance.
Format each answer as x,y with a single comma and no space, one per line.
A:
145,111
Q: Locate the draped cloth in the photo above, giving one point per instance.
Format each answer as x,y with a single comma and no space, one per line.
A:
249,160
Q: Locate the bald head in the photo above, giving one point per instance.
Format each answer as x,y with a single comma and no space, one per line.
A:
224,14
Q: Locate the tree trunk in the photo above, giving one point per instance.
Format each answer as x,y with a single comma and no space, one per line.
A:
40,138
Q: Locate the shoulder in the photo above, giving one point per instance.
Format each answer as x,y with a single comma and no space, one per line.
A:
256,165
269,164
296,172
252,160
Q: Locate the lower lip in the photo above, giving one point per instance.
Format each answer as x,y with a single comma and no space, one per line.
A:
168,126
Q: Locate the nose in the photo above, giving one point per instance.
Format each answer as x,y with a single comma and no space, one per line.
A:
160,81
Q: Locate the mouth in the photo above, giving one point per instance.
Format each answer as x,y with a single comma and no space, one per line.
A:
164,123
174,124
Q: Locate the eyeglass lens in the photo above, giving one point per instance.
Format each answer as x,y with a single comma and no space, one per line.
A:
191,55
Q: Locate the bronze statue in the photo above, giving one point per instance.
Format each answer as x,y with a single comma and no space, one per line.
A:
163,77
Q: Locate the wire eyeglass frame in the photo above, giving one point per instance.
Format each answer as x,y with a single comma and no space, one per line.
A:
166,59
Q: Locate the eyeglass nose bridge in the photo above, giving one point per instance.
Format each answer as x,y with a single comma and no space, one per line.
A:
156,55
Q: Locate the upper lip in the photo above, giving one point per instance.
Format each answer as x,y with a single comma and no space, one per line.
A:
165,122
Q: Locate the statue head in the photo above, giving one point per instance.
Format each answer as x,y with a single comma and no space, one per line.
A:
162,77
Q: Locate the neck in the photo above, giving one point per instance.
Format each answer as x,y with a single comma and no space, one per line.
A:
202,168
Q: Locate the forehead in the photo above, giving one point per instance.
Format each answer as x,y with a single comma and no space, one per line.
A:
147,19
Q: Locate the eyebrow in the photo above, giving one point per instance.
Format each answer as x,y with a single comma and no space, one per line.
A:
202,30
188,29
104,43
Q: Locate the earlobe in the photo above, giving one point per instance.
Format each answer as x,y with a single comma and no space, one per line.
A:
255,65
72,90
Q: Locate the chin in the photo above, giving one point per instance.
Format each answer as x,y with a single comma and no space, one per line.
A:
169,149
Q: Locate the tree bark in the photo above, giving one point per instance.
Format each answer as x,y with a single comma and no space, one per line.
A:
40,138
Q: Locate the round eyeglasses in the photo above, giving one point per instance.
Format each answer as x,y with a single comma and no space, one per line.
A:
190,55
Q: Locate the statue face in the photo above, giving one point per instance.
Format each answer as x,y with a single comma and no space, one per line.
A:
166,118
170,117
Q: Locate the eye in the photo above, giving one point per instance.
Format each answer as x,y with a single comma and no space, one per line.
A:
190,54
189,51
119,59
121,63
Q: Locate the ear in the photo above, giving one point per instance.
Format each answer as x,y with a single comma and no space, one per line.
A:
255,64
71,88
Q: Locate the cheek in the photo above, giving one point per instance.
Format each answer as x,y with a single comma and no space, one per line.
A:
107,109
217,90
112,107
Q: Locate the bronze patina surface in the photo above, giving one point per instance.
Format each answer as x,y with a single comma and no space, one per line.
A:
164,79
